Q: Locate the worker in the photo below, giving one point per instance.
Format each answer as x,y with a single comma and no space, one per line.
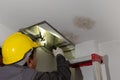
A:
1,62
19,57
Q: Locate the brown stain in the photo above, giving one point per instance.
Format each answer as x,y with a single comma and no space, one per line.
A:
83,22
71,36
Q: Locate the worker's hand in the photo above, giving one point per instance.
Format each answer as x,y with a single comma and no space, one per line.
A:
58,51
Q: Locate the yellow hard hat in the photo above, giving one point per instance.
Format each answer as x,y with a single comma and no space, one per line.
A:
16,46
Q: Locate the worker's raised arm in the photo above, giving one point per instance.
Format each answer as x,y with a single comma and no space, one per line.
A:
63,71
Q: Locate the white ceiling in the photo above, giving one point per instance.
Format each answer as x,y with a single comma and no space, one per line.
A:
17,14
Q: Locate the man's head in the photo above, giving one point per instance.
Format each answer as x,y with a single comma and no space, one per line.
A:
31,61
17,48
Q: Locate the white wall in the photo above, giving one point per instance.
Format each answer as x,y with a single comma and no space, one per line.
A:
112,51
4,32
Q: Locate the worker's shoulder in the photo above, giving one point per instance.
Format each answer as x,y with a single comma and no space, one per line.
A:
19,71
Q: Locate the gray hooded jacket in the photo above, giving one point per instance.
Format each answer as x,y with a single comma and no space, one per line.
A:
16,72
